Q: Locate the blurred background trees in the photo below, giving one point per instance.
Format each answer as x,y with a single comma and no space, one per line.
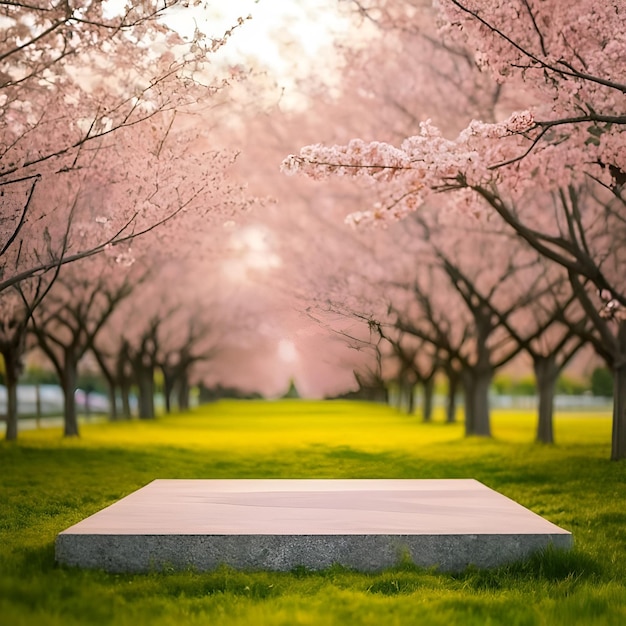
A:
148,232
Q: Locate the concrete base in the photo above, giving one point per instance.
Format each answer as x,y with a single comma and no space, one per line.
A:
281,524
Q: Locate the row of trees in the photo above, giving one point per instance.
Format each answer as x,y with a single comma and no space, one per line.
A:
104,186
123,234
513,225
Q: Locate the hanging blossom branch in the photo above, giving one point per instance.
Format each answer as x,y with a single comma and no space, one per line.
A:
422,164
122,236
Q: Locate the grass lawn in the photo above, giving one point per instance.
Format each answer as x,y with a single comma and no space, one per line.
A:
48,483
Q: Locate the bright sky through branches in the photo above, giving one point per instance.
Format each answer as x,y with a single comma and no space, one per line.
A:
309,23
288,42
285,37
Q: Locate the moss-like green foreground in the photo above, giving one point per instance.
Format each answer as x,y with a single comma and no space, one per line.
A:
47,484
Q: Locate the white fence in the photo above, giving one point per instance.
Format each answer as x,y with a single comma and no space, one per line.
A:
561,402
48,400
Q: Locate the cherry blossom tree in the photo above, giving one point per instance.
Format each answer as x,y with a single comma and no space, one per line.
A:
90,92
186,326
12,347
417,365
481,295
92,68
425,312
570,60
72,75
574,59
102,210
69,319
188,346
551,330
371,384
114,364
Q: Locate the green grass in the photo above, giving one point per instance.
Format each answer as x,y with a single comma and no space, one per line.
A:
48,483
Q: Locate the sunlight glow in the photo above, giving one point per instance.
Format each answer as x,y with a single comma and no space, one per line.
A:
251,253
287,351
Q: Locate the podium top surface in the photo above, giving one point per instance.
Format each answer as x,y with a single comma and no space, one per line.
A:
315,507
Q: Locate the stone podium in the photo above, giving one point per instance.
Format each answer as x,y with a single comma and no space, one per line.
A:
281,524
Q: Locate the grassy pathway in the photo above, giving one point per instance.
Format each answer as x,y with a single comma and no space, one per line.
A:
47,484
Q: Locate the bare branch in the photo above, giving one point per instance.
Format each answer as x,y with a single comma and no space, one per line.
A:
22,219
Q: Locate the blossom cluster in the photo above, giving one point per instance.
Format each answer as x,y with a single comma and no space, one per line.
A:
358,158
572,61
611,307
573,58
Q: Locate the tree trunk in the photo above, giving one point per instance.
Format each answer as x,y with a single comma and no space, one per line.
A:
12,371
427,401
12,352
546,375
11,378
124,372
409,395
125,393
38,405
482,422
399,399
168,389
68,383
109,376
145,383
477,383
618,438
391,395
453,385
113,416
468,403
183,393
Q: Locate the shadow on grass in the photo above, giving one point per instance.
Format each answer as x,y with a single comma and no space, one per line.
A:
28,562
223,580
550,565
549,568
555,572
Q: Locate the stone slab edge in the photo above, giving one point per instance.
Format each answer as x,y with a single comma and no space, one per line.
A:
145,553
